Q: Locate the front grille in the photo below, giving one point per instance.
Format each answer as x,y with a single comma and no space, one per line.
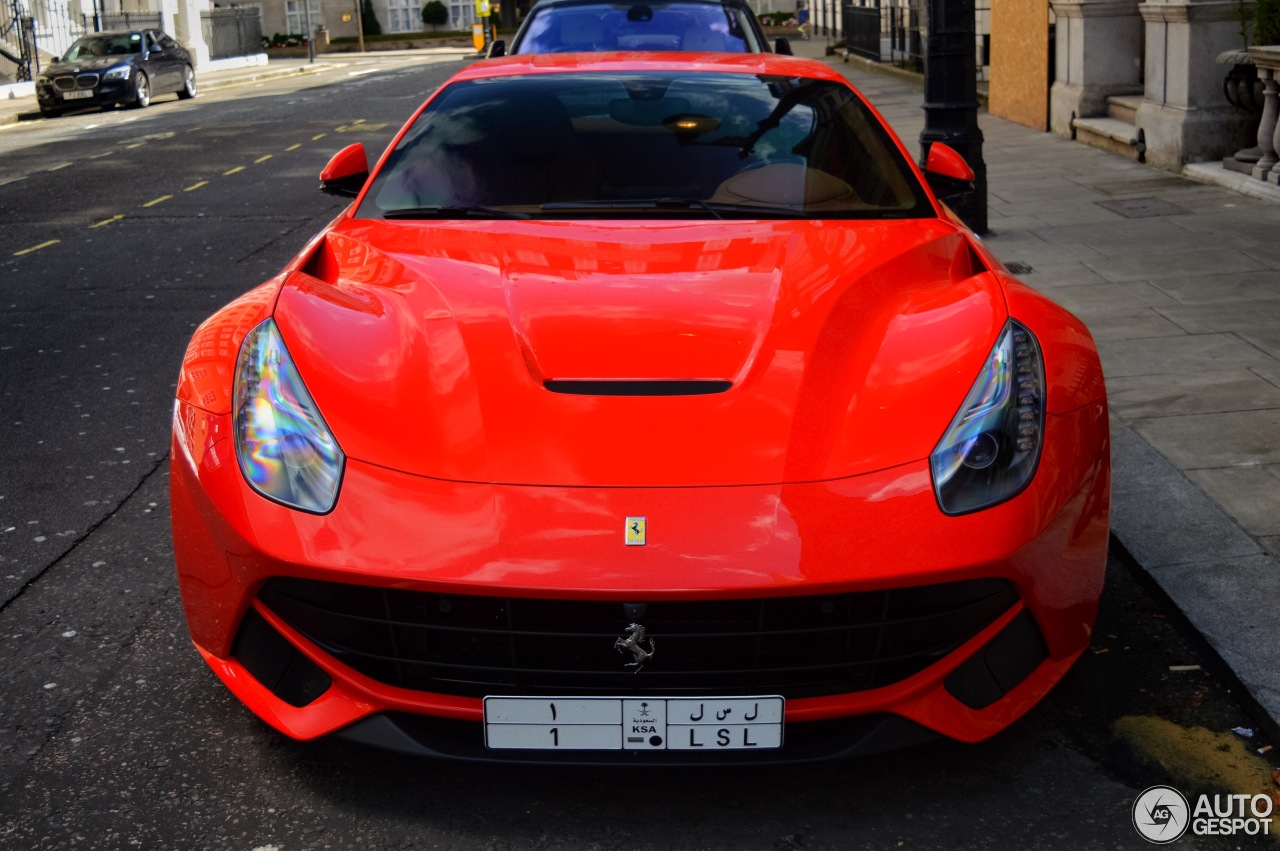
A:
69,83
793,646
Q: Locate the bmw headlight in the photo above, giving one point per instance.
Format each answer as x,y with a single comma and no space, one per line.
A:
120,72
285,450
990,451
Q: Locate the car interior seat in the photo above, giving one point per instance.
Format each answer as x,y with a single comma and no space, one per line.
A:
701,38
582,32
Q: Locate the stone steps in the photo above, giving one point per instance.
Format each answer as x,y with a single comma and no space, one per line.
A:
1124,107
1116,131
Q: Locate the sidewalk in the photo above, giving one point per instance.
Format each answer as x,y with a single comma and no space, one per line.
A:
1180,284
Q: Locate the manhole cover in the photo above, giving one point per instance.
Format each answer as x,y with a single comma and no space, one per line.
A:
1019,268
1137,187
1142,208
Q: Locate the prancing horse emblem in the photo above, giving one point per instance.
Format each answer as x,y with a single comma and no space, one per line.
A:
634,643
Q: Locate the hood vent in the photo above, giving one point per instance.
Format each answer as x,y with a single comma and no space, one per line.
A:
637,387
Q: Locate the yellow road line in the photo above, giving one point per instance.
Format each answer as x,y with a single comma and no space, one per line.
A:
115,218
319,137
294,147
135,145
196,186
101,155
262,159
159,200
36,247
58,167
233,171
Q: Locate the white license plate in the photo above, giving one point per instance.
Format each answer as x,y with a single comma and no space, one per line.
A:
630,723
77,95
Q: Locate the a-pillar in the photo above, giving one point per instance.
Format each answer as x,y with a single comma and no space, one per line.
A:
1184,114
1098,48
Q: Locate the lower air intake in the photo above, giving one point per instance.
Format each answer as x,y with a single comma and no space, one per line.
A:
795,646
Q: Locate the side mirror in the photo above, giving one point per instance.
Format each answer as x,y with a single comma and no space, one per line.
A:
782,46
346,173
496,48
946,172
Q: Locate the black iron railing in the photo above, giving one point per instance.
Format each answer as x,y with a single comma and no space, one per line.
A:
232,32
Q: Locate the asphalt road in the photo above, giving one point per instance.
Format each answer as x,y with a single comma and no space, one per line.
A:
121,232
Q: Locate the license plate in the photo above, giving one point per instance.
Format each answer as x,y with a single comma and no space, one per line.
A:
77,95
631,723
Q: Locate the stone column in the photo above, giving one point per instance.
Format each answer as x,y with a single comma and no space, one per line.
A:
1267,126
1268,61
188,30
1184,113
1098,44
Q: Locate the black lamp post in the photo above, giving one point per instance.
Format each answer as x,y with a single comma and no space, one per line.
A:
951,99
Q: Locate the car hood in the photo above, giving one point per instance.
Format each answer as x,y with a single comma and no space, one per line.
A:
846,347
95,64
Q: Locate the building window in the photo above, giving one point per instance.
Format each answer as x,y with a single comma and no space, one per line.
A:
296,16
404,16
462,15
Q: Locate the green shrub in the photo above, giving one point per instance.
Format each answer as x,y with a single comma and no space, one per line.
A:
1261,23
1266,22
435,13
369,20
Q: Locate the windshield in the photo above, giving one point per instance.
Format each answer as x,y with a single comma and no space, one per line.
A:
104,45
700,144
638,26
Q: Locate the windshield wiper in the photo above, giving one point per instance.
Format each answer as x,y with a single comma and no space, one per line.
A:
634,204
446,211
715,208
724,211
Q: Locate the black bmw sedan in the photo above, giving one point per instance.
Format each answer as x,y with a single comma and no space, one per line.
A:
109,68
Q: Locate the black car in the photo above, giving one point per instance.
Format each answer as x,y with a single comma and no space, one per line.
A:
563,26
109,68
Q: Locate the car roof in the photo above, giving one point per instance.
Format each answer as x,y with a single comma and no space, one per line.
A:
548,4
605,62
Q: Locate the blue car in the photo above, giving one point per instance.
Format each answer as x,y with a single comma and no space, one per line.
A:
572,26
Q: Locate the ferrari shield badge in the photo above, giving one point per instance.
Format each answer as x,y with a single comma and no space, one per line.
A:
635,532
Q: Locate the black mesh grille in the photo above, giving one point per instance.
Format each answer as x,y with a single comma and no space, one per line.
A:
794,646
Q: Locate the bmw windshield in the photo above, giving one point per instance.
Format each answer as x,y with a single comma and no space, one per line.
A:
91,47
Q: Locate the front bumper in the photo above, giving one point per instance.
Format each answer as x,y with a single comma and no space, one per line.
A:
105,93
864,535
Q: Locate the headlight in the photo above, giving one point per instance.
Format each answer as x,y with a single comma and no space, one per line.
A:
285,450
120,72
990,451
